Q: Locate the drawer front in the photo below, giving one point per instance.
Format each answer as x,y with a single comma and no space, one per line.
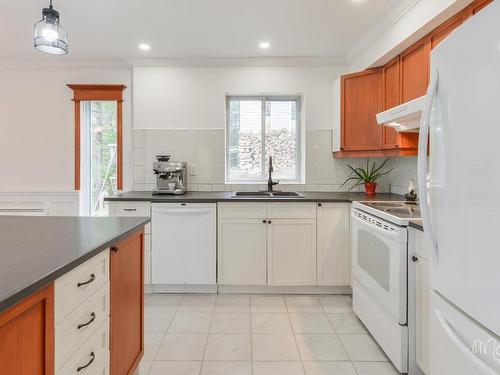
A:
422,247
81,324
79,284
129,209
306,210
242,210
94,354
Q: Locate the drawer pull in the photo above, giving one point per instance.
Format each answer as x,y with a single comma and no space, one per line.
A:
130,209
92,278
92,318
92,358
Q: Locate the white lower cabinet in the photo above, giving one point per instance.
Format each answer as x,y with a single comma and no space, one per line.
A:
334,244
422,300
284,244
242,251
291,247
82,305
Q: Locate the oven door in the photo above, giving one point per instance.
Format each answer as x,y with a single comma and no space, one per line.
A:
379,262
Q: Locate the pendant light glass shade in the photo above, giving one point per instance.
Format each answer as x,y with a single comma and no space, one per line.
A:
49,36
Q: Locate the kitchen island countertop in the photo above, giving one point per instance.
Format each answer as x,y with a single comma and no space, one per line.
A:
36,250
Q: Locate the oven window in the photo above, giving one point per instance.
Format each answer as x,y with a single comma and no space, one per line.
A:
374,258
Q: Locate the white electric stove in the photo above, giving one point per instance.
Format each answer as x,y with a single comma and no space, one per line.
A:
381,280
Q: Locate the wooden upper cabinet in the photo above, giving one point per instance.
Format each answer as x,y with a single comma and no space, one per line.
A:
127,304
392,98
476,6
361,100
404,78
27,335
415,71
445,29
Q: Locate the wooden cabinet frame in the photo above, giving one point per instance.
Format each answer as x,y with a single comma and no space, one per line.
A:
362,102
99,92
126,300
409,81
38,307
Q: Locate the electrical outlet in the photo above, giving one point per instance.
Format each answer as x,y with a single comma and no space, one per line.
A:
192,170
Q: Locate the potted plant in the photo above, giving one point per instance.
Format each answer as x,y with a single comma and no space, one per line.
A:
366,176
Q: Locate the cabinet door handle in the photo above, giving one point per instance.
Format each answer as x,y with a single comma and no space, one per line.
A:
92,318
269,221
130,209
319,204
414,258
114,249
92,358
92,278
264,221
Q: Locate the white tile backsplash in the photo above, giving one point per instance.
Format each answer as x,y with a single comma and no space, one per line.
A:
205,149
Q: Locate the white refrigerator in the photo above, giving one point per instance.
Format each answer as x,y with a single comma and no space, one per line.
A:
458,184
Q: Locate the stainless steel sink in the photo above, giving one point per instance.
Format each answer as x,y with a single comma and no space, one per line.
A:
286,194
267,194
252,194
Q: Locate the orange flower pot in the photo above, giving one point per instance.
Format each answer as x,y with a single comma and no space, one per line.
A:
370,188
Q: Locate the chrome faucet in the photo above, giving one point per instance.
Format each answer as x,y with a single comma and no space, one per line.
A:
270,182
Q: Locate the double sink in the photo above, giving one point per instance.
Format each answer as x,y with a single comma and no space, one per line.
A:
267,194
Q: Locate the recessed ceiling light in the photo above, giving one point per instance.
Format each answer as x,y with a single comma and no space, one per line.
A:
144,47
264,45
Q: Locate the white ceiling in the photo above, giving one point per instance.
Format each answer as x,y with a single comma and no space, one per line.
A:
112,29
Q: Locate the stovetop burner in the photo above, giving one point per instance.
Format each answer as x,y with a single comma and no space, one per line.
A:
399,213
399,209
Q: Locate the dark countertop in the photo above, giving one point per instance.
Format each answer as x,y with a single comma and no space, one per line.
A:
213,197
417,224
35,251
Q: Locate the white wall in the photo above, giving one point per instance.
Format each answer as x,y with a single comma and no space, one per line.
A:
194,97
395,36
37,125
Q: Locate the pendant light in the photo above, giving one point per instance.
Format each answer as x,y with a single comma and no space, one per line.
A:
49,36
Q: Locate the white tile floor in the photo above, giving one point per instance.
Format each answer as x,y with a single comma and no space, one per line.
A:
257,335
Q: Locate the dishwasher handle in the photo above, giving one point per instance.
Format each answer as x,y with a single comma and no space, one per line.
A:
183,210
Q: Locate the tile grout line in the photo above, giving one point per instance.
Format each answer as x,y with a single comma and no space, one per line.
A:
295,338
165,335
208,335
338,338
251,337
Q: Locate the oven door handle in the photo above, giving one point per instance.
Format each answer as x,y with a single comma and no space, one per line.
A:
376,228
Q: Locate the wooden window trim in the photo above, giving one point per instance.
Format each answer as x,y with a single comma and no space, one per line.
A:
99,92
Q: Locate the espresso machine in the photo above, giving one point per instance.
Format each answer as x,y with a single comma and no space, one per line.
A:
171,177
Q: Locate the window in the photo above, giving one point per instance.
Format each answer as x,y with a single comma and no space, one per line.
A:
98,172
98,144
260,127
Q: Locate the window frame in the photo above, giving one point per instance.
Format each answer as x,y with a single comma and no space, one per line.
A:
298,157
99,92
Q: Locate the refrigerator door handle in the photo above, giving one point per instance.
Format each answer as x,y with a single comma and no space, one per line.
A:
480,365
422,160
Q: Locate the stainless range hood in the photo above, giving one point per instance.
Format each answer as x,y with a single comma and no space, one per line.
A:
403,118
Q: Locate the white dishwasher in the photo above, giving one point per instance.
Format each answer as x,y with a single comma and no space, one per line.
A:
183,247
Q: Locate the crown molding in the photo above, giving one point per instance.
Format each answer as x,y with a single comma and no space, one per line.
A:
239,62
62,63
392,18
